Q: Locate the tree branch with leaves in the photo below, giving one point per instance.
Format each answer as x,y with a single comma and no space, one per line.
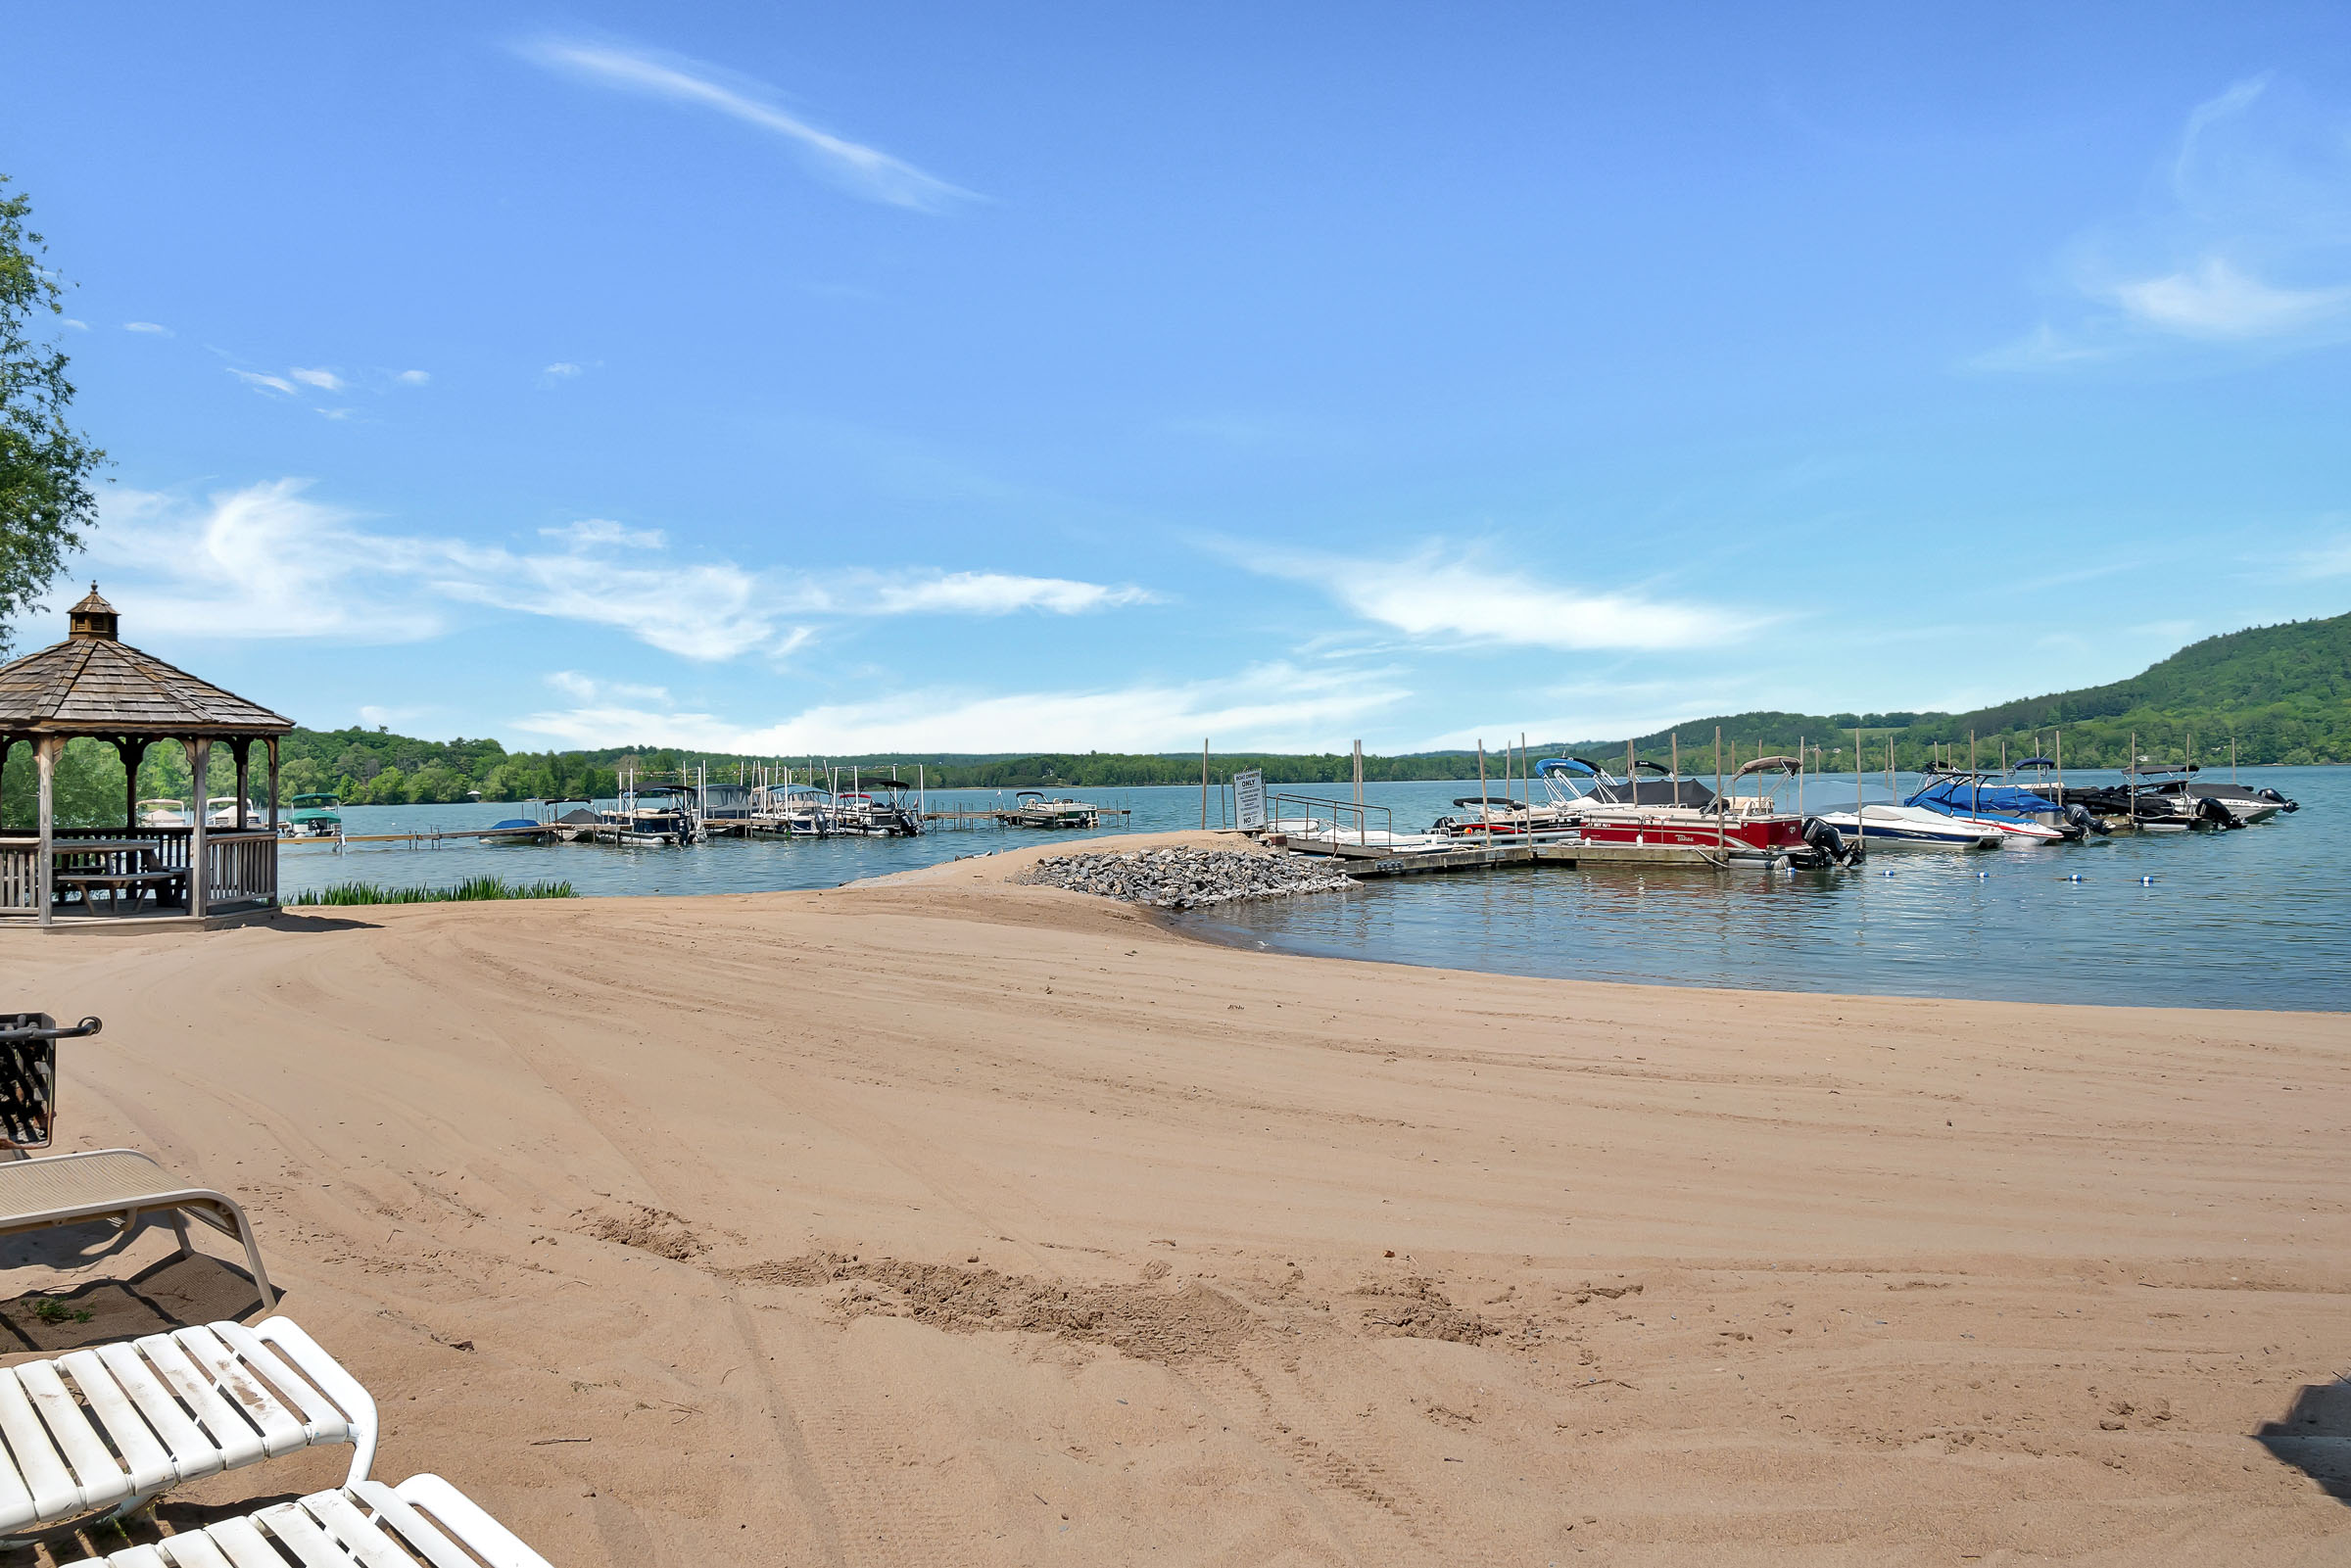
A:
45,465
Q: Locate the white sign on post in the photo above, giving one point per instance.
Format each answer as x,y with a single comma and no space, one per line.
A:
1249,800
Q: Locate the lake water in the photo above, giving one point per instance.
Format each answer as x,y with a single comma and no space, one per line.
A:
2260,918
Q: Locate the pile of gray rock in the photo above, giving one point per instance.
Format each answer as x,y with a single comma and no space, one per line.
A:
1187,878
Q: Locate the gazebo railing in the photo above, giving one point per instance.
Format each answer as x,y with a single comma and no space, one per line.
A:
240,864
20,877
240,867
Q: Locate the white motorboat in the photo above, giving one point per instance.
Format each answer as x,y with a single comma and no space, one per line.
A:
164,812
1885,826
220,811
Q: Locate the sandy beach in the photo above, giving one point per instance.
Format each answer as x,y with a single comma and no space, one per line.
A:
944,1220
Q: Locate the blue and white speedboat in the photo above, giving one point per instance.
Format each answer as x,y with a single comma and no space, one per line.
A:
2017,814
1882,824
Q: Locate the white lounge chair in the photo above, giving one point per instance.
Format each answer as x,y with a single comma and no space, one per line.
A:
122,1185
110,1427
365,1525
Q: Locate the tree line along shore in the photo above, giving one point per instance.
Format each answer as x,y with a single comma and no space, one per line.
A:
2281,693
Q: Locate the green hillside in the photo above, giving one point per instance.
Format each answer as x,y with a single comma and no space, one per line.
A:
2283,691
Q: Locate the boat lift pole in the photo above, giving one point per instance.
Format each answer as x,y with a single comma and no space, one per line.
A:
1204,784
1858,781
1719,853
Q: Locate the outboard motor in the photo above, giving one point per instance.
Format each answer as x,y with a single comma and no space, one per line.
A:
2216,813
1831,845
2079,816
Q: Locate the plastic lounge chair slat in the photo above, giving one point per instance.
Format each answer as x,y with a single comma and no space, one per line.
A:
242,1542
320,1417
231,1434
17,1506
300,1534
193,1453
280,1432
412,1527
141,1557
468,1521
195,1549
52,1491
359,1536
137,1450
100,1479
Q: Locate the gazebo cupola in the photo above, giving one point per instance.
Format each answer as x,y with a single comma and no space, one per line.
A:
95,686
93,617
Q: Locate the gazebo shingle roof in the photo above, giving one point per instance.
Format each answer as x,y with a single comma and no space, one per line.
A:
92,684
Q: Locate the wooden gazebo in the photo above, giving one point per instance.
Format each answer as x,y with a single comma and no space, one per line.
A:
95,684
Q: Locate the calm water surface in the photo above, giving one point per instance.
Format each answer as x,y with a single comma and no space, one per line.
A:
2257,919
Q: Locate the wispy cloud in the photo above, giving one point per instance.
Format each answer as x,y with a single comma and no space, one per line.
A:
323,380
269,561
76,323
862,170
1456,595
2245,241
998,594
561,371
268,383
148,326
264,561
1274,704
588,688
414,378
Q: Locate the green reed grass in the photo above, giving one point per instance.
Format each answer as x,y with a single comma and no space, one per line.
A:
472,887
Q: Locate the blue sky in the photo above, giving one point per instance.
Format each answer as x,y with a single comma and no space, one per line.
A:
833,379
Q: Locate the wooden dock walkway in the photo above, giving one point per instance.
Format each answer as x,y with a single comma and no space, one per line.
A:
1375,860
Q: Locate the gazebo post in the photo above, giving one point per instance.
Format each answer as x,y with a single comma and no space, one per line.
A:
132,752
200,767
241,750
45,870
272,743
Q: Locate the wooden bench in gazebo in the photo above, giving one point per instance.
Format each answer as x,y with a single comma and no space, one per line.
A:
94,684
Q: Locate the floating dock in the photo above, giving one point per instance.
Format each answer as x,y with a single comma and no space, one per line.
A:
1375,861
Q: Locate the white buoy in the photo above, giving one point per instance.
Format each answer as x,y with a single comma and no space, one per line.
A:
2147,881
1983,875
2075,877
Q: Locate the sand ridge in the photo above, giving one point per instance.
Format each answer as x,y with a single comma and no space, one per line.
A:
943,1219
